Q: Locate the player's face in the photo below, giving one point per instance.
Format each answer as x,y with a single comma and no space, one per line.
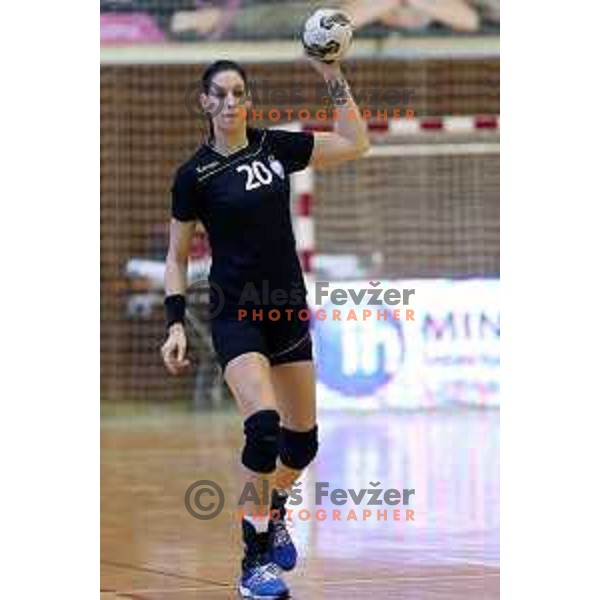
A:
227,101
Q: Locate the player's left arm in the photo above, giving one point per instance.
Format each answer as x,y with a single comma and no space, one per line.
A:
350,138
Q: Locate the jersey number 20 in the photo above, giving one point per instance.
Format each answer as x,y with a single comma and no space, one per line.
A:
256,175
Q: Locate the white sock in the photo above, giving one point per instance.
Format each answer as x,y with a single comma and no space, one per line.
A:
260,524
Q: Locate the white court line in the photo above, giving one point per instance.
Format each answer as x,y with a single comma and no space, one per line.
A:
468,562
433,149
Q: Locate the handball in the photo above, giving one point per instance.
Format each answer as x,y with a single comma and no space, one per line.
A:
327,35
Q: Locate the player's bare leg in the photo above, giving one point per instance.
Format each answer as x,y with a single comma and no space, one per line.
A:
294,385
248,377
295,393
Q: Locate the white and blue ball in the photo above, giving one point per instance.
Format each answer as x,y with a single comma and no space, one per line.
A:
327,35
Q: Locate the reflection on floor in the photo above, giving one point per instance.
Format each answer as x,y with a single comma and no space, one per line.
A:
153,548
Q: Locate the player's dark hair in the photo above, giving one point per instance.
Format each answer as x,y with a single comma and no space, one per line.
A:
209,74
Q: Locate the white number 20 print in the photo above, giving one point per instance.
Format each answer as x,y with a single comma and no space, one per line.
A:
256,175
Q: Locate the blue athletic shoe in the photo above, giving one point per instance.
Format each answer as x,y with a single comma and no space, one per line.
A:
283,551
261,578
263,582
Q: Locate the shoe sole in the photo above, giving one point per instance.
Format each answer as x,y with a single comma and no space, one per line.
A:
246,593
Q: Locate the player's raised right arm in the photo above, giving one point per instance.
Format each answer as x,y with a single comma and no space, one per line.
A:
350,138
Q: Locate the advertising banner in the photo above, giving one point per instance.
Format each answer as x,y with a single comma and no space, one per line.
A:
445,352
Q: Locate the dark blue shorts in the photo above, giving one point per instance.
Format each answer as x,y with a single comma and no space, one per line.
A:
281,341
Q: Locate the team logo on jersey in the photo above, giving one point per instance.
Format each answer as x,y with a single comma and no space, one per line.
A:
276,167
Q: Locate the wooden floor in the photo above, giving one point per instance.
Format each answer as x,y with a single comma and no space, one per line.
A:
152,548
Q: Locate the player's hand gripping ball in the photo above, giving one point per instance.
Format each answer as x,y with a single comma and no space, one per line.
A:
327,35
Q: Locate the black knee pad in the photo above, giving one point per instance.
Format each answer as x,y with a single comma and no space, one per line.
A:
262,435
297,449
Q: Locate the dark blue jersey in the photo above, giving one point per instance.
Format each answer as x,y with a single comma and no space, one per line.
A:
243,200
